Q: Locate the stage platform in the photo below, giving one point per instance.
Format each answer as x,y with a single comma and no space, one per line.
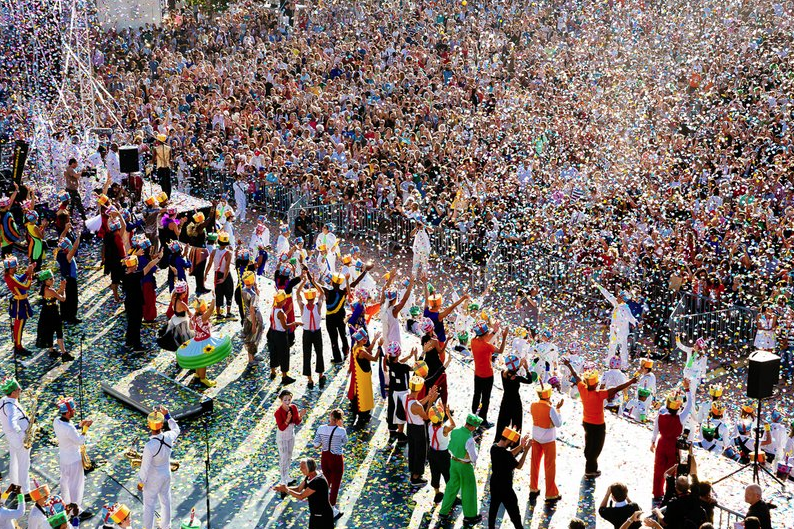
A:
145,389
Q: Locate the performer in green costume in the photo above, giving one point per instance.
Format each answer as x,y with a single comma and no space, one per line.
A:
463,452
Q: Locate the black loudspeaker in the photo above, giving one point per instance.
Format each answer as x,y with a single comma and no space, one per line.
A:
128,159
763,375
21,149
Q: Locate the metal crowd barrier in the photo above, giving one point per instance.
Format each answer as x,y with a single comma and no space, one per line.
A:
725,518
669,313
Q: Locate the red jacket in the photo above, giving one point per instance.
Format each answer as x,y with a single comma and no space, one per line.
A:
281,417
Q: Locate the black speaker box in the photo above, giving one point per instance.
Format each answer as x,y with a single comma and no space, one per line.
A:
763,375
128,159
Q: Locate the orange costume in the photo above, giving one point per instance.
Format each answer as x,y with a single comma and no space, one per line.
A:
545,421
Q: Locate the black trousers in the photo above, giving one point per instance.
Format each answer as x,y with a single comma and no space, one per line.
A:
134,309
75,202
506,497
335,325
198,272
69,307
439,466
164,179
278,347
510,412
312,339
417,449
482,394
594,435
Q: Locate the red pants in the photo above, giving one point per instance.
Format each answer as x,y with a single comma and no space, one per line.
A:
663,460
333,466
547,452
149,302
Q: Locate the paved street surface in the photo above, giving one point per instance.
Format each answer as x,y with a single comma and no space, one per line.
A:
244,460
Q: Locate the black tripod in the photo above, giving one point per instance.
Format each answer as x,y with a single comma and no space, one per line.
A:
754,462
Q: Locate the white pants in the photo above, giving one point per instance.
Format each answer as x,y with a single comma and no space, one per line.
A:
72,483
420,263
619,339
285,446
158,486
19,467
242,204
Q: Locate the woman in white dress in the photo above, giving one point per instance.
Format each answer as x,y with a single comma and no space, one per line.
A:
765,323
421,248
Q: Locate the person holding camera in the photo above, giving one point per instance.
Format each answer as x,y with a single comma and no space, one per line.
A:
667,428
682,507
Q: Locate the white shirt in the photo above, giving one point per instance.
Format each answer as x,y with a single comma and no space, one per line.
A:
69,441
157,453
547,435
258,240
37,519
621,314
114,167
7,516
14,421
436,438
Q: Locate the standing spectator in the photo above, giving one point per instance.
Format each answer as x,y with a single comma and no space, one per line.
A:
313,489
331,439
616,507
287,417
758,507
304,225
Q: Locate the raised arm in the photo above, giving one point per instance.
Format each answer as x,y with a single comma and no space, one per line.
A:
612,299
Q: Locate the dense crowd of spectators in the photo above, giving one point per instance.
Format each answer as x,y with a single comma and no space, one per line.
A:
645,139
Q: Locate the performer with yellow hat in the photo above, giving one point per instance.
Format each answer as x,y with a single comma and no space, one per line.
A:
438,450
667,428
435,311
277,339
415,416
503,464
154,478
463,451
133,300
224,284
335,324
593,414
71,443
251,314
311,318
15,423
327,248
647,379
545,421
714,431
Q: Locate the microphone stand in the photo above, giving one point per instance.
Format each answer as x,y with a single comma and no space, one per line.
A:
80,376
207,423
